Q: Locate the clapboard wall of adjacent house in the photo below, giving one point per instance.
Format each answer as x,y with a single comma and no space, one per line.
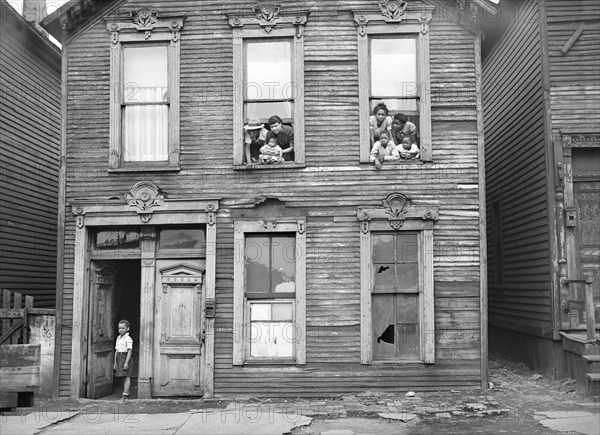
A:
29,144
516,176
331,187
575,90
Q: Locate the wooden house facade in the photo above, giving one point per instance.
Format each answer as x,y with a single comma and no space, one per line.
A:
542,132
368,278
29,148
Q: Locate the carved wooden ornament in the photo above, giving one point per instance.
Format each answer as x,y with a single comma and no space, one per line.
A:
393,10
144,196
396,209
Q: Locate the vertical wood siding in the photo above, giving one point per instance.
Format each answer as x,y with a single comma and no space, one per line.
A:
575,90
516,175
29,142
332,187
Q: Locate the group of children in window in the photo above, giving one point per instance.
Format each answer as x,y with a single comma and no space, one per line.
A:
391,139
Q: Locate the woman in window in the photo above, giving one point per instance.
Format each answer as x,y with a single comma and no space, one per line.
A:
284,135
401,127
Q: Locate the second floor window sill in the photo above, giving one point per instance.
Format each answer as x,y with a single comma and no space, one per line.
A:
258,166
145,167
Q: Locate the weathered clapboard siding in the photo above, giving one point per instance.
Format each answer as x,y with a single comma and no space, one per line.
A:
516,175
332,187
575,91
29,141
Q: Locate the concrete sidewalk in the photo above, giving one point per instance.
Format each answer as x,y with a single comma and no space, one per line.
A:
363,413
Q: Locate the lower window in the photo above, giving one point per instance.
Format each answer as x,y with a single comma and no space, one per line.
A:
395,297
269,293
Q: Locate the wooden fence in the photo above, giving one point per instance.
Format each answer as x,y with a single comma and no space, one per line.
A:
20,361
15,328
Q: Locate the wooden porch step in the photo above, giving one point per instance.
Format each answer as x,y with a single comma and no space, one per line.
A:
591,358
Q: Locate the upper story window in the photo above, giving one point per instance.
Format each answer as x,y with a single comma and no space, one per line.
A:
268,69
393,49
145,104
144,99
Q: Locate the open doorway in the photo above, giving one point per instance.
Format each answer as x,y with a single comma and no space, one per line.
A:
114,296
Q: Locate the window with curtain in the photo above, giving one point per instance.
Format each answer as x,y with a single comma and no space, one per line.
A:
144,94
145,105
394,75
269,88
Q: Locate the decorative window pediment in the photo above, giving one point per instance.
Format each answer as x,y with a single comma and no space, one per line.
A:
397,209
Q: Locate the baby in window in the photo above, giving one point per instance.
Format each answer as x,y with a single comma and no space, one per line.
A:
384,150
408,149
271,152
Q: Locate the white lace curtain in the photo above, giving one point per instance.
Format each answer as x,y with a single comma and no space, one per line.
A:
145,127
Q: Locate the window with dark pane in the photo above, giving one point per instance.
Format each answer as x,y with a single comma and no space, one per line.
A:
270,265
395,296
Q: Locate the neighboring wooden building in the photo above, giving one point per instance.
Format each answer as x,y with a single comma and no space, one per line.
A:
315,276
29,149
542,131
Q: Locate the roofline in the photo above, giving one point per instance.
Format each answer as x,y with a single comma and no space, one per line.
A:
52,23
33,29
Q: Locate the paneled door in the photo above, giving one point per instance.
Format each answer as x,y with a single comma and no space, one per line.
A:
101,334
178,328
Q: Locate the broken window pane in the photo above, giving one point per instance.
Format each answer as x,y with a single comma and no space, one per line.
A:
384,281
384,321
395,315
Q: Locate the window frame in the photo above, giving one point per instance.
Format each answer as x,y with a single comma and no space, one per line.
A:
142,30
412,23
254,28
419,220
241,303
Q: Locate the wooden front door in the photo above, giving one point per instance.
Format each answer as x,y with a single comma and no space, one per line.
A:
101,330
178,328
587,199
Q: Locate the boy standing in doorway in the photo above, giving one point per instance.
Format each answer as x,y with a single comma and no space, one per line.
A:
123,350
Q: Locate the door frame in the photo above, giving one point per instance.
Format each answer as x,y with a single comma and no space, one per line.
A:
145,207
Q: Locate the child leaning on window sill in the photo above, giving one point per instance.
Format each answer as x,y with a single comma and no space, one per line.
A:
383,150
